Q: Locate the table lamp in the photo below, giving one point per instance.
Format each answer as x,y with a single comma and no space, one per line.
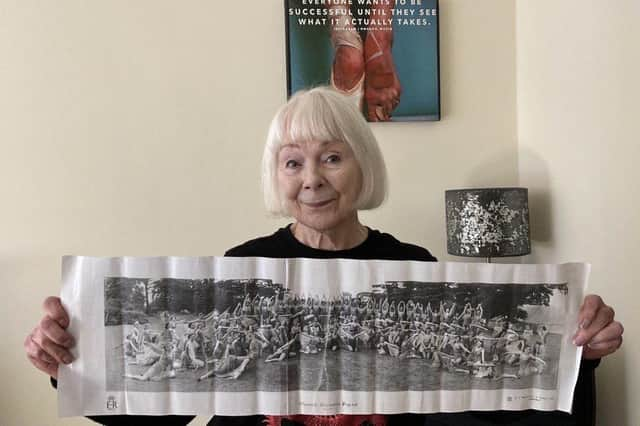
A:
487,222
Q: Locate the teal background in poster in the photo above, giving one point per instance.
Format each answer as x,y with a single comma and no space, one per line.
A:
415,52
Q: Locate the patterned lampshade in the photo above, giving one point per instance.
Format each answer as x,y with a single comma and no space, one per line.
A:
487,222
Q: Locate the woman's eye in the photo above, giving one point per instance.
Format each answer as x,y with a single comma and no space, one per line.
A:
332,159
290,164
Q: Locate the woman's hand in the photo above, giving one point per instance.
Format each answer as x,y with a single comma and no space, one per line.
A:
598,332
48,344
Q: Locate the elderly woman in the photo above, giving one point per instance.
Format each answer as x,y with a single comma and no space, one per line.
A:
321,166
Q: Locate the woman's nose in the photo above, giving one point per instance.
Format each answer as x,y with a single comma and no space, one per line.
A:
312,178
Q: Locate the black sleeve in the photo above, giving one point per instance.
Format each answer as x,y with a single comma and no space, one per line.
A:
584,396
123,420
232,252
237,421
239,251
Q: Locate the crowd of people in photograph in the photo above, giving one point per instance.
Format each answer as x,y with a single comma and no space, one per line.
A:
458,339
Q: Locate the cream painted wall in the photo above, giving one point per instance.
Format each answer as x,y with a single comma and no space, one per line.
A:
578,64
136,128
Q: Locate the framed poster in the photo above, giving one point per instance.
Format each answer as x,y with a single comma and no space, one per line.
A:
382,54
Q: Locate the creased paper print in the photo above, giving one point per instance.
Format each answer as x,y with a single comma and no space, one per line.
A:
239,336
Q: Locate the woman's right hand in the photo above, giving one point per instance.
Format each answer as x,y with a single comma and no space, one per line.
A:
48,344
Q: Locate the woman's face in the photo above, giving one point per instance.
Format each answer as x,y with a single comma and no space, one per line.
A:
319,182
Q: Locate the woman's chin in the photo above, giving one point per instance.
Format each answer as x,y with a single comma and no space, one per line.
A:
322,222
318,225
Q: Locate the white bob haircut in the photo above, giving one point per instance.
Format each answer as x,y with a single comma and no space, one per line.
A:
322,114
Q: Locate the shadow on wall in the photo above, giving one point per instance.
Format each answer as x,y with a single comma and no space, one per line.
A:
535,176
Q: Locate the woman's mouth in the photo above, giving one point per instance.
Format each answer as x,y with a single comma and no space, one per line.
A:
318,204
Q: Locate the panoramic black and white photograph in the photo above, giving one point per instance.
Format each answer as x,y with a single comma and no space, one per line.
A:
244,335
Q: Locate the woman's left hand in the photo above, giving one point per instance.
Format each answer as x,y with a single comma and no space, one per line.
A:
598,332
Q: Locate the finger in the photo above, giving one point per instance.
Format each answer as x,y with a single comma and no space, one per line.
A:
60,354
54,332
590,306
603,318
613,344
613,331
50,369
34,350
53,308
599,350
